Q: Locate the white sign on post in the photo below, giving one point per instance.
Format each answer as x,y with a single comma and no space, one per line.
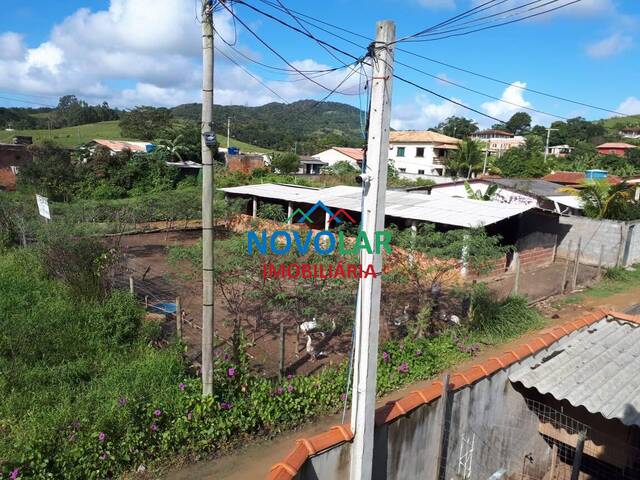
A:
43,206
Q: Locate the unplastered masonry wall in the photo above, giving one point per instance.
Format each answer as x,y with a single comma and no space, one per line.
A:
593,234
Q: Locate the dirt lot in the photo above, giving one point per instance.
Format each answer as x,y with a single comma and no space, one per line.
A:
155,277
158,280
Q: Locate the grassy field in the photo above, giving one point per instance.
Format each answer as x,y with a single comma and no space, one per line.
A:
75,136
629,120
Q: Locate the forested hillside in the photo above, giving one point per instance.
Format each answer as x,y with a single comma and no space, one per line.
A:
279,126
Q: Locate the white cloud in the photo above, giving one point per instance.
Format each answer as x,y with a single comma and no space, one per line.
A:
422,114
610,46
11,46
630,106
155,52
513,94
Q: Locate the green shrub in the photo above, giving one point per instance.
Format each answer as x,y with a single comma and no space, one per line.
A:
272,211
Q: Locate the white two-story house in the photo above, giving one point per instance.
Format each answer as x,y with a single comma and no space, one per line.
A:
421,152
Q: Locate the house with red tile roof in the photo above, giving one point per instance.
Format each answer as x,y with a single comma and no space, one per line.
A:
353,156
615,148
565,401
575,178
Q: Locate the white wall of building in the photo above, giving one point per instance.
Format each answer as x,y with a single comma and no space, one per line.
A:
411,162
331,157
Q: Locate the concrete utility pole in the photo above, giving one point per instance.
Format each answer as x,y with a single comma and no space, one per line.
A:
368,307
546,148
486,159
207,199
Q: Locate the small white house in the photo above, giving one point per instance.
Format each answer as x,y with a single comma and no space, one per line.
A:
630,132
560,150
341,154
421,152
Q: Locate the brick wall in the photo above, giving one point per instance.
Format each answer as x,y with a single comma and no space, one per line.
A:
12,156
244,163
535,258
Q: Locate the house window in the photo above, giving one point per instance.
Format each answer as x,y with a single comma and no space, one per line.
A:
402,170
420,152
400,152
420,172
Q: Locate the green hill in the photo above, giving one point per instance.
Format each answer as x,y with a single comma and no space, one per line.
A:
75,136
616,123
306,124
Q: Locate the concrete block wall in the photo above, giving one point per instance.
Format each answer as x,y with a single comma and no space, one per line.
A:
594,234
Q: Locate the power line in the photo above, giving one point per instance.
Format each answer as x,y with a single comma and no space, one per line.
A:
445,80
313,21
504,82
438,31
275,52
27,102
420,87
501,24
257,79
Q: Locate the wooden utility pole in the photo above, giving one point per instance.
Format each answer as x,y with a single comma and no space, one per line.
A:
207,199
566,268
576,266
577,458
374,180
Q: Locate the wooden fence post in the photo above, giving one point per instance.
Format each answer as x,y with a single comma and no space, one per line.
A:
577,458
566,268
600,259
555,249
131,289
576,266
178,318
146,302
282,337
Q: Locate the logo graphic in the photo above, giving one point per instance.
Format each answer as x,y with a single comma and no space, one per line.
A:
306,216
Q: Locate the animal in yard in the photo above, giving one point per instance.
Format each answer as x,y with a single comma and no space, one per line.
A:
404,318
311,350
307,327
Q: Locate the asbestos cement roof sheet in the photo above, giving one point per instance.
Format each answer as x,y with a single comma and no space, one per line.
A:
596,369
459,212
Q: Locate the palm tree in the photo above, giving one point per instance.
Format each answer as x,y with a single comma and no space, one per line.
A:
175,146
600,199
467,159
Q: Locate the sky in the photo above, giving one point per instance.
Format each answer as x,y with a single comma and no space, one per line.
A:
137,52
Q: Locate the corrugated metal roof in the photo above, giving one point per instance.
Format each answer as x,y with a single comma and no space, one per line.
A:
596,369
459,212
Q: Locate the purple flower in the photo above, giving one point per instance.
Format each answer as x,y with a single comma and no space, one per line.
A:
343,397
122,401
279,391
181,387
385,356
104,456
157,412
226,356
189,415
15,473
226,405
290,388
418,353
231,372
404,368
101,436
154,427
289,377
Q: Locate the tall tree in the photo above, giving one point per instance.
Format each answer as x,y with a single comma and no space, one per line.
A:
457,127
145,123
526,161
519,123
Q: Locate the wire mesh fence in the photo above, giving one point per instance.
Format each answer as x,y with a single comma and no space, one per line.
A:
545,445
